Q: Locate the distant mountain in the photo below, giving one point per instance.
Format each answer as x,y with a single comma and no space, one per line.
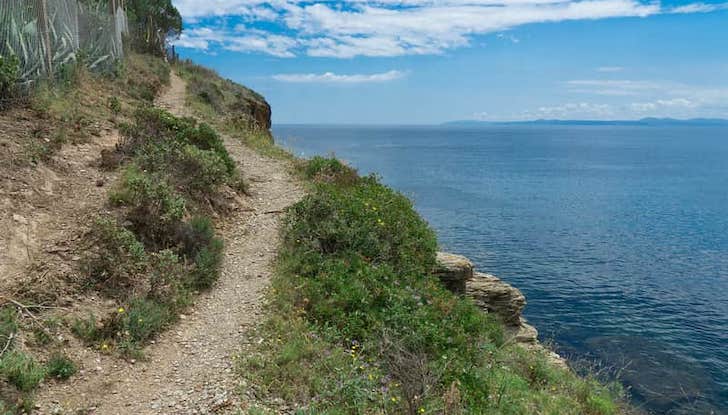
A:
643,122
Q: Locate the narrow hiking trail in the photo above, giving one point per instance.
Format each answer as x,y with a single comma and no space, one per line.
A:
190,367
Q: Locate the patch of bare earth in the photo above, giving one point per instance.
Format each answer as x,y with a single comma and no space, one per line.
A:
189,369
46,208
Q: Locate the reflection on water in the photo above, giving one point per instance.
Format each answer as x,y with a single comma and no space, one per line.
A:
615,234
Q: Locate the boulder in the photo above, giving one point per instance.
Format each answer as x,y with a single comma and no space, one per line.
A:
497,297
523,333
454,271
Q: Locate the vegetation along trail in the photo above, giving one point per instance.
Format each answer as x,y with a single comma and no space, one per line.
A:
189,369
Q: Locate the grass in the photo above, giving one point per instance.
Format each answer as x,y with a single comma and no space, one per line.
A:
60,367
22,371
359,325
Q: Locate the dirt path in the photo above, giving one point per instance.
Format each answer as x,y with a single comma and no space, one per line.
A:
189,370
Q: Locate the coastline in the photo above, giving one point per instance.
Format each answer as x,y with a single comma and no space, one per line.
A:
493,295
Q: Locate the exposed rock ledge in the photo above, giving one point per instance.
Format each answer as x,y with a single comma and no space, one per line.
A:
494,296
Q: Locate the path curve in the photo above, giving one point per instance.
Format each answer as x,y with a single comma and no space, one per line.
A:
189,369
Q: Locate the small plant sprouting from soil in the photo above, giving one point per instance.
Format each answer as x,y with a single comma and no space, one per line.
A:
60,367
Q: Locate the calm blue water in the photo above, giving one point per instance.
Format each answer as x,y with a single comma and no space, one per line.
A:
618,236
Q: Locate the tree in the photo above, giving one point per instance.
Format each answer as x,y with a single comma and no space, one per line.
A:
153,22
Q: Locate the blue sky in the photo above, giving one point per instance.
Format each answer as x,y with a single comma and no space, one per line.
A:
425,61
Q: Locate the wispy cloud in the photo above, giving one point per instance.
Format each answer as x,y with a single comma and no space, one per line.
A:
699,8
332,78
345,29
613,87
610,69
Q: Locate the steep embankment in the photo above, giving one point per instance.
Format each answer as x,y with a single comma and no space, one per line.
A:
189,369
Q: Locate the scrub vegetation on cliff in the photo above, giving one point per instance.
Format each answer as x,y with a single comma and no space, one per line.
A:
358,323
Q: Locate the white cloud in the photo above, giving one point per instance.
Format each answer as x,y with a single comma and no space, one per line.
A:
610,69
664,104
240,39
508,37
581,110
699,8
613,87
332,78
650,98
346,29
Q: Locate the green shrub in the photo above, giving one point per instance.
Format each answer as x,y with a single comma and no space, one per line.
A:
119,261
368,220
197,234
59,366
208,262
139,322
167,277
114,105
206,138
155,209
9,73
21,370
86,329
152,126
189,155
329,170
205,171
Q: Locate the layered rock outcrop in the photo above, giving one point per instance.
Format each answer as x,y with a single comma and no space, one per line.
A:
494,296
454,271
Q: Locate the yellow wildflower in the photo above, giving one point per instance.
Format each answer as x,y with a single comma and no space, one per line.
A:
121,310
421,410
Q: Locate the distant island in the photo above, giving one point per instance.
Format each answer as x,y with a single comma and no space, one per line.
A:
640,122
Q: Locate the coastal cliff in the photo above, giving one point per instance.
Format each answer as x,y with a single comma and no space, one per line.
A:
492,295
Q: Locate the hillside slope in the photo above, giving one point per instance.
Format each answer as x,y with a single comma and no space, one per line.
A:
189,368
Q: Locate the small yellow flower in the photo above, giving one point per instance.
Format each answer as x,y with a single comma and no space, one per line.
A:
121,310
421,410
394,399
104,346
140,321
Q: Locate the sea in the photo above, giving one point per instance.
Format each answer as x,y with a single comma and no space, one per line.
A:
617,235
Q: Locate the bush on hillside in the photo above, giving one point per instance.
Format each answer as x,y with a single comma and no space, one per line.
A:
367,220
355,274
168,278
191,156
154,208
207,91
329,170
118,261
